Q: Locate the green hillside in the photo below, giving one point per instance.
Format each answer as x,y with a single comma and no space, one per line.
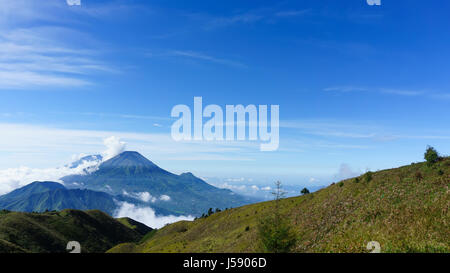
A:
51,231
404,209
135,225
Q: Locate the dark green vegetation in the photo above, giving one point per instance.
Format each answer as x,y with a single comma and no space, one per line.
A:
393,207
133,173
431,155
51,231
304,191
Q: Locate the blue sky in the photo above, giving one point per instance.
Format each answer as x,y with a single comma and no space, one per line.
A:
359,87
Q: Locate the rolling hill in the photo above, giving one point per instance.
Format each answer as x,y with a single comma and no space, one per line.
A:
131,174
51,231
404,209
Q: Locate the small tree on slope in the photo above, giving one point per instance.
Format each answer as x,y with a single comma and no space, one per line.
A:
275,232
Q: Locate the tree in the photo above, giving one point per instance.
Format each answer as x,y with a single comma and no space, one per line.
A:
304,191
276,232
210,211
431,156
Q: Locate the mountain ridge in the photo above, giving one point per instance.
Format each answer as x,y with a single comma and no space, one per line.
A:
132,173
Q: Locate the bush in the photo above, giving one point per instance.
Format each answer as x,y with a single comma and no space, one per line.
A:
277,235
431,156
368,176
304,191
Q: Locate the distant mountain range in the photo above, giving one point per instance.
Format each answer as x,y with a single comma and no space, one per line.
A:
42,196
128,177
131,174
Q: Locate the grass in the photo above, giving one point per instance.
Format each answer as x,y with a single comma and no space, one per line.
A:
402,210
51,231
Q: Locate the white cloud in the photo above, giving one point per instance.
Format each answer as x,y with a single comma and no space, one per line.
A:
146,196
147,215
13,178
73,2
204,57
164,197
388,91
241,179
24,144
45,55
345,172
113,147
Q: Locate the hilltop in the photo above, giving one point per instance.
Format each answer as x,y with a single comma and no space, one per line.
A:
50,232
404,209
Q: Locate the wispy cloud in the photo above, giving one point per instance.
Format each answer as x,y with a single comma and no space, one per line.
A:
292,13
204,57
268,15
44,55
388,91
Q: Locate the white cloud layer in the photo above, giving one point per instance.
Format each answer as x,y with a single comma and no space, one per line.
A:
113,147
147,215
345,172
13,178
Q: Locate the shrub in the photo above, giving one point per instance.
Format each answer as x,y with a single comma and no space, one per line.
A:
441,172
304,191
340,184
357,180
247,228
368,176
431,156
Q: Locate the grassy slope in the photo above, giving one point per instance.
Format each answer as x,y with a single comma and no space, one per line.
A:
400,211
51,231
135,225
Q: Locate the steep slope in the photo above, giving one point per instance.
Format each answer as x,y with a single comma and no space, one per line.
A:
51,231
131,173
135,225
404,209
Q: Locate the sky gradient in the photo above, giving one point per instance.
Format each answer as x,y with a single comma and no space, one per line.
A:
359,87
